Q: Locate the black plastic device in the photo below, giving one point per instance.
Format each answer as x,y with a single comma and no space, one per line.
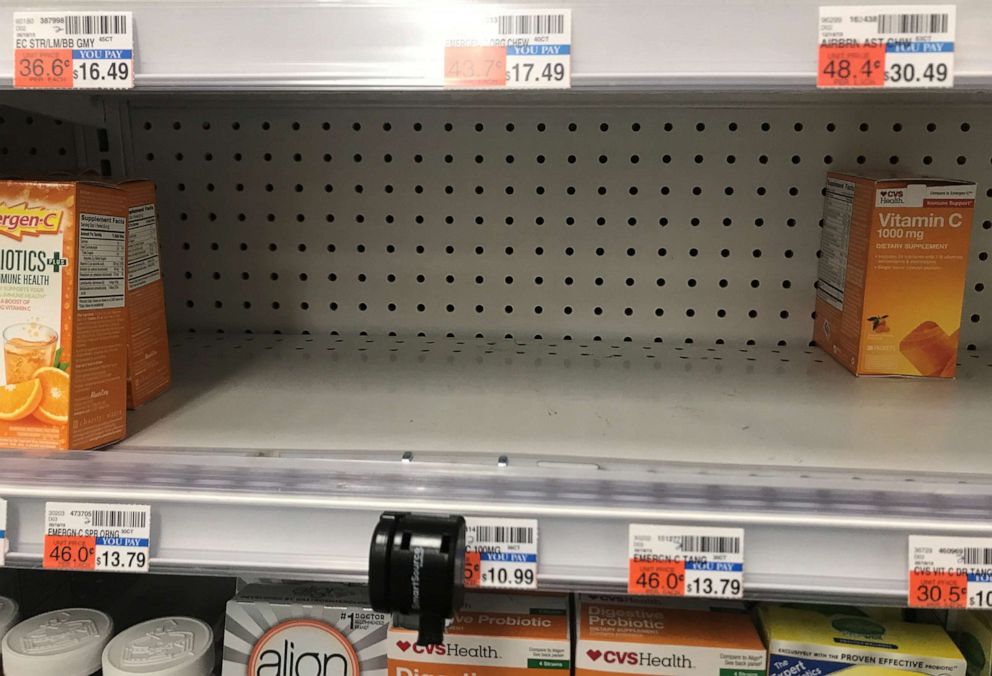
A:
417,571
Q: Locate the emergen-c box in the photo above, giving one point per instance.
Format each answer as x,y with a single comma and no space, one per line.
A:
493,634
890,284
638,636
303,629
148,370
62,287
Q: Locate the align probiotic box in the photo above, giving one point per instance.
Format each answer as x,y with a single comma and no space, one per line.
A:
809,643
890,284
304,630
638,636
492,635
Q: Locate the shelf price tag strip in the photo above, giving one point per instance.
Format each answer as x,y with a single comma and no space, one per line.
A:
500,553
950,572
888,46
73,50
513,49
686,561
103,537
3,531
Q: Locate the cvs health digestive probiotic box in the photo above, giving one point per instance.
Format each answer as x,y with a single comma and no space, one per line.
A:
304,630
637,636
494,634
810,643
62,323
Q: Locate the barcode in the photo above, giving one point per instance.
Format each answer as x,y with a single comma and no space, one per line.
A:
706,544
100,24
508,535
118,518
976,556
531,24
912,23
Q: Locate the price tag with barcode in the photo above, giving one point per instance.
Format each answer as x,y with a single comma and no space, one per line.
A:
500,553
686,561
104,537
510,49
73,50
886,46
3,531
950,572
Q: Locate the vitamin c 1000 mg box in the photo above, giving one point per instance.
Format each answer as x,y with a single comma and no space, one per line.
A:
492,635
637,636
62,322
812,643
890,284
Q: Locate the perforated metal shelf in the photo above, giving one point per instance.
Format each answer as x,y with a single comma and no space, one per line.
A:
631,401
368,44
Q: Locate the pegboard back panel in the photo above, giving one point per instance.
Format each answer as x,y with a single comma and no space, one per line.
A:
35,144
674,221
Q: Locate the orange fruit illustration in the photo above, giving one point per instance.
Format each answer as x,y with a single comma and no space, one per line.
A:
54,406
19,400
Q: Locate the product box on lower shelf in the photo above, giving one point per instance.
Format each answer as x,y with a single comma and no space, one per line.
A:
642,636
149,372
285,630
62,279
971,631
812,643
890,284
492,635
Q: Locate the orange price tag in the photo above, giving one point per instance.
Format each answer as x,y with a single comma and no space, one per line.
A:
938,590
67,552
862,66
656,578
473,569
475,66
43,68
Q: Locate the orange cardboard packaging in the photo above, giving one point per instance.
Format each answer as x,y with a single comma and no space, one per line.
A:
62,279
148,370
622,635
492,635
890,285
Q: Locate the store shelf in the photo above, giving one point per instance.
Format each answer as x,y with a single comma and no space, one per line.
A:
274,455
637,44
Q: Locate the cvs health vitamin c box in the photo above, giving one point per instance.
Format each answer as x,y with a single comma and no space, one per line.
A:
636,636
148,370
810,643
893,257
62,323
492,635
304,630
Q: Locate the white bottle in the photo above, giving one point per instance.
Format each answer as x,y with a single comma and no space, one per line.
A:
168,646
60,643
8,618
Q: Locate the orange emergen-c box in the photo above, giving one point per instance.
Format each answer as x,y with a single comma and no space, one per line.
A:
618,635
62,258
148,370
893,257
492,635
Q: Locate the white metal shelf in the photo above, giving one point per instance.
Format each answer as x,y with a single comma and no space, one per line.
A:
269,457
368,44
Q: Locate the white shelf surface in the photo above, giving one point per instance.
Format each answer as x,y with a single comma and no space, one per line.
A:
368,44
274,455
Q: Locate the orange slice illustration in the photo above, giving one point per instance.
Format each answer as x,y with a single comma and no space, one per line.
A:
54,406
20,399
